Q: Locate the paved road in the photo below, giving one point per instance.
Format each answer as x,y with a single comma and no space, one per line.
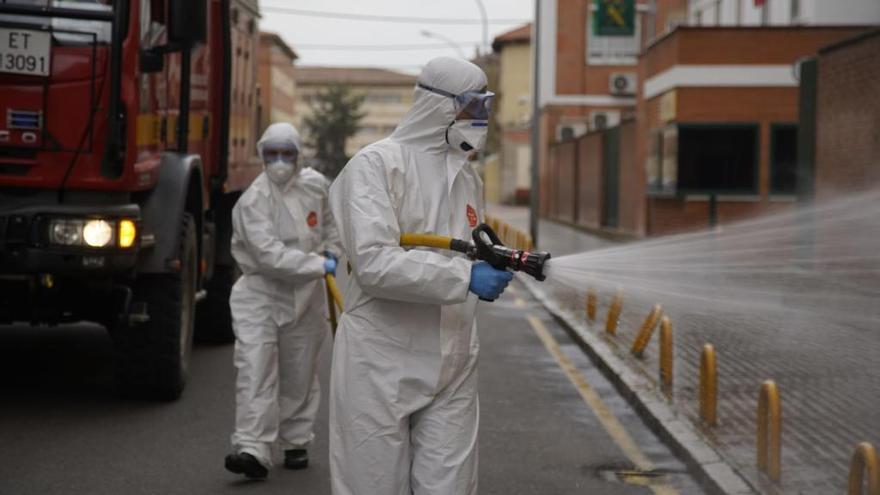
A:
64,432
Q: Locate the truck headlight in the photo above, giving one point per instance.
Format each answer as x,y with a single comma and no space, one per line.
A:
127,233
66,232
97,233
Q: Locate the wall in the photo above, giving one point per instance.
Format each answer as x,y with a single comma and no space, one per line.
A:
848,117
514,105
632,184
513,112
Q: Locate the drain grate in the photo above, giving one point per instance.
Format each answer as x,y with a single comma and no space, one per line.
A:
630,476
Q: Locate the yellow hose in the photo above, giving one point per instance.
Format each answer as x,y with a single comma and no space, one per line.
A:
425,240
334,290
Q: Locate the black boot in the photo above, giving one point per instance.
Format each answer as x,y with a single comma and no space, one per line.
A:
296,459
246,464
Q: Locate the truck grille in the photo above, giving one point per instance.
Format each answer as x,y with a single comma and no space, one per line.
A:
24,120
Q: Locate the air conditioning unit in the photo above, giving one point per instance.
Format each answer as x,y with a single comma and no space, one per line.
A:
603,119
570,130
622,83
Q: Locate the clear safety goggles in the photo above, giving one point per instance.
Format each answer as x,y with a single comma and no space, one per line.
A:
284,154
475,104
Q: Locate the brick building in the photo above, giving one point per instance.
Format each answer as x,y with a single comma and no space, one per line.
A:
708,131
717,115
276,78
847,123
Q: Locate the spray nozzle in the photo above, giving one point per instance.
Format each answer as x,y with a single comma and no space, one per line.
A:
489,248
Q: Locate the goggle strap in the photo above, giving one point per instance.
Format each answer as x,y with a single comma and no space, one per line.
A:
436,90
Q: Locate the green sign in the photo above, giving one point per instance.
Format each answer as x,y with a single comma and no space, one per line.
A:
614,18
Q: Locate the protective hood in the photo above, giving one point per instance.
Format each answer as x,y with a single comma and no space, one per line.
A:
284,136
425,125
279,135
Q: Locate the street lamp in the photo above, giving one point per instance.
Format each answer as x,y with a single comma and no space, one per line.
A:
454,45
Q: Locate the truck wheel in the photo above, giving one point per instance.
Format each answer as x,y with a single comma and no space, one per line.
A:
153,356
213,317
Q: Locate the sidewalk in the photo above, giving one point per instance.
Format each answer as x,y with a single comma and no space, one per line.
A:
825,409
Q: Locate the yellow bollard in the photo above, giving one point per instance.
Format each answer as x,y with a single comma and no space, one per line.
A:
770,431
645,332
709,386
864,461
591,305
666,353
614,313
519,239
530,245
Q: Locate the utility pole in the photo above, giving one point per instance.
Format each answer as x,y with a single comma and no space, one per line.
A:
535,189
485,48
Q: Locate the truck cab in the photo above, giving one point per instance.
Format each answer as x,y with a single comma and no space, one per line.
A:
119,120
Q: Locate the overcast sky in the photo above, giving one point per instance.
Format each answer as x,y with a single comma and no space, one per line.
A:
368,43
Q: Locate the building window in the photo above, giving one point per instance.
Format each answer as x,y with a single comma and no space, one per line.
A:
720,158
612,50
783,159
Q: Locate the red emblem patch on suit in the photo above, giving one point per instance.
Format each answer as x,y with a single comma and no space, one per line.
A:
472,216
312,219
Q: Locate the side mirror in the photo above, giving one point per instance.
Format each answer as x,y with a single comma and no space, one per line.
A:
151,60
188,21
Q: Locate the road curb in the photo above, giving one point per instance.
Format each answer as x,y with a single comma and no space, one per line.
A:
713,472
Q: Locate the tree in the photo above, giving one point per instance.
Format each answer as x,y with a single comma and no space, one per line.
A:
335,117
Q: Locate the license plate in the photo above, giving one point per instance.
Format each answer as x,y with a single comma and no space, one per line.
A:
25,52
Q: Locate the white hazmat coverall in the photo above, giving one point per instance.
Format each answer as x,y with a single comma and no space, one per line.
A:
278,305
403,394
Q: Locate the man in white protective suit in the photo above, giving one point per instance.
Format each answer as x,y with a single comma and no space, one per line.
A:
403,393
281,225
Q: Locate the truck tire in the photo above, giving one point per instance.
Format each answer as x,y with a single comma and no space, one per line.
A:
153,356
213,317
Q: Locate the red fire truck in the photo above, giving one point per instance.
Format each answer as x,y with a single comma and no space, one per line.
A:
119,123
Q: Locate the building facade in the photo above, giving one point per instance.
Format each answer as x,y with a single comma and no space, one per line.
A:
511,182
709,133
387,97
277,83
782,12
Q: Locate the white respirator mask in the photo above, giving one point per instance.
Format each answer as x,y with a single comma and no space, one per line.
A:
467,135
280,171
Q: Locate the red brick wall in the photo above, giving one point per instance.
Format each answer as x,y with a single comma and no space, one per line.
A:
672,216
632,183
590,180
566,155
848,117
571,18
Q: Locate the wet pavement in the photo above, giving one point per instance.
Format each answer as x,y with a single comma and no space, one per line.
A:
827,375
550,421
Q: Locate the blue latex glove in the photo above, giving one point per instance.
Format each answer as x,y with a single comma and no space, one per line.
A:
487,282
330,266
329,254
